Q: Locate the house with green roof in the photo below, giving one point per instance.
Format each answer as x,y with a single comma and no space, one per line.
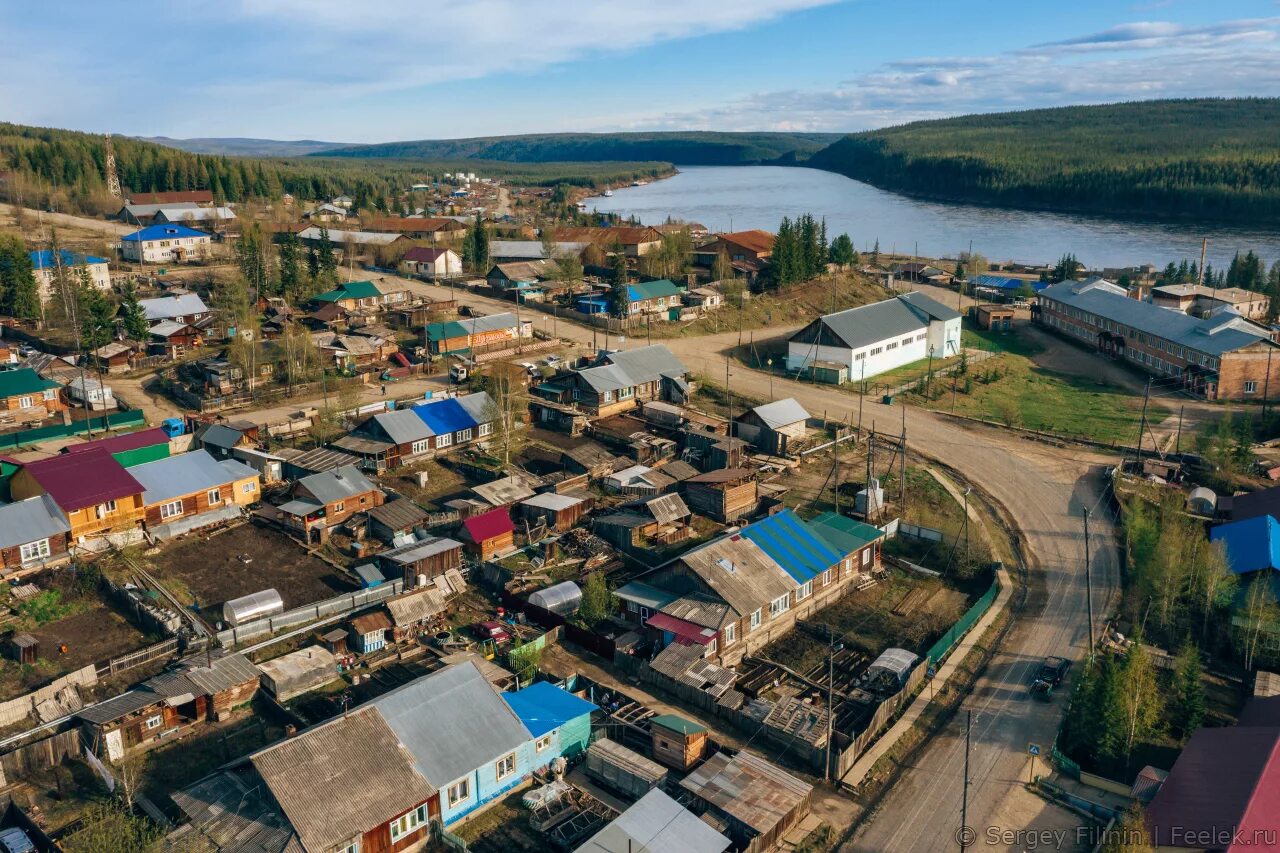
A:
28,397
356,295
652,297
848,536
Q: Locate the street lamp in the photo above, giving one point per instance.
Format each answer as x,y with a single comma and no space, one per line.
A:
832,648
769,362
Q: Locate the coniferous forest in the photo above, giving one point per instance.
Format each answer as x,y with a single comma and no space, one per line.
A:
1205,159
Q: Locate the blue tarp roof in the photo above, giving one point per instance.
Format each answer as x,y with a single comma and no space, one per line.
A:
445,416
42,259
1004,282
791,544
1252,544
166,231
543,707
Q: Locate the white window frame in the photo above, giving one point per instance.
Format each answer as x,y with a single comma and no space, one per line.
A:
606,396
826,578
249,487
712,646
486,429
172,509
1250,387
25,402
459,792
37,550
542,743
779,605
757,618
214,496
102,510
408,823
422,445
730,634
510,761
444,440
463,435
51,394
866,557
804,590
153,723
353,847
626,393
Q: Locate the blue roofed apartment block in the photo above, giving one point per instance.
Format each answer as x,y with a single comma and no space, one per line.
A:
738,593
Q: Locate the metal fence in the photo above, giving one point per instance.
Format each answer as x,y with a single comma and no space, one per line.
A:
338,605
115,420
948,641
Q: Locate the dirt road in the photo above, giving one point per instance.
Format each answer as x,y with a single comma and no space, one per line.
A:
102,226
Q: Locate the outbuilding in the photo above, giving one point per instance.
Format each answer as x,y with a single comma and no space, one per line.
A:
558,512
489,534
298,672
774,426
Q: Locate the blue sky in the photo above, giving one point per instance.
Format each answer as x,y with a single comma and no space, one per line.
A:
382,70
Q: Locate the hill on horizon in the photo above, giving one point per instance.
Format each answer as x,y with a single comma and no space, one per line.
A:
245,146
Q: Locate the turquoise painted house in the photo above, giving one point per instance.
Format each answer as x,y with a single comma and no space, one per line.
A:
559,722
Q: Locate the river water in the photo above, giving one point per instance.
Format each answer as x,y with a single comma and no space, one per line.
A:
742,197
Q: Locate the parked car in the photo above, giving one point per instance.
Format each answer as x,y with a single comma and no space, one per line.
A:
14,840
553,360
492,631
1050,674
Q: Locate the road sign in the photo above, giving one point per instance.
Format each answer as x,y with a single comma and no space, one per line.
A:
932,671
1033,748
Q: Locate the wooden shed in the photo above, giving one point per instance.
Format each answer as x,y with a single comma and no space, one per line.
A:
995,317
560,512
678,743
489,534
24,648
724,495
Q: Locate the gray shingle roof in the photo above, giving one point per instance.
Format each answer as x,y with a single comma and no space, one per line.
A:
166,307
337,485
30,521
1221,333
452,722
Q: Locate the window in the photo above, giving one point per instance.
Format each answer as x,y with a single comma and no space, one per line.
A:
626,393
485,429
644,613
407,823
1250,387
606,396
755,620
711,646
171,510
542,743
51,394
249,487
24,402
779,605
464,435
826,577
443,441
877,350
859,356
353,847
215,496
906,341
421,446
866,556
459,792
506,766
730,633
35,550
893,345
339,506
154,722
103,510
804,590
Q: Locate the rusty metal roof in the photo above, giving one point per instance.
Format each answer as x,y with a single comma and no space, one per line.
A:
748,789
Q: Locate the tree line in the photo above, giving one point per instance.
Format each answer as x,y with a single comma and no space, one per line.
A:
801,251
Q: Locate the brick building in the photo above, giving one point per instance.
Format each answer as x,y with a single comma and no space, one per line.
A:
1220,357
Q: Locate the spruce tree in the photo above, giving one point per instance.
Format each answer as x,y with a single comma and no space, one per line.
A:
1188,685
133,317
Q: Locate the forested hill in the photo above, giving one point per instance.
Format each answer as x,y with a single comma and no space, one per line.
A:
685,148
1213,159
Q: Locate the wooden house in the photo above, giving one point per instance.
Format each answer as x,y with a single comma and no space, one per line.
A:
172,339
93,490
590,458
193,490
993,317
369,632
200,690
325,500
26,397
754,802
723,495
678,743
620,381
33,534
489,534
115,357
773,427
421,561
395,519
416,613
558,512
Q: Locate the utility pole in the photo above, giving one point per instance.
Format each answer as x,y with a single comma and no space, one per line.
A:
862,393
902,467
1142,425
832,648
966,523
1266,386
1177,442
964,791
1088,583
1204,247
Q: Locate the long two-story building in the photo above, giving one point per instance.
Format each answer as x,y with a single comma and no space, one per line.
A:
1221,357
620,381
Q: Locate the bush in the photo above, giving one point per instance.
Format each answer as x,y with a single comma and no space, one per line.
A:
45,607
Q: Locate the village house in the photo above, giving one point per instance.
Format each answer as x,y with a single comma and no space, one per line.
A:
45,266
429,428
477,334
216,219
736,594
94,491
369,632
196,197
193,490
773,427
432,263
26,397
353,352
186,308
490,534
33,534
656,822
521,280
704,298
418,613
221,439
129,448
322,501
326,212
558,721
363,296
172,339
879,337
638,480
1201,301
1221,357
748,251
724,495
651,297
635,240
620,381
145,214
91,394
642,524
923,273
395,520
203,689
114,357
342,241
510,251
159,244
437,228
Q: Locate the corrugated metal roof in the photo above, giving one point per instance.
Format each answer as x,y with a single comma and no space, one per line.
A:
649,363
445,417
487,525
236,816
166,231
644,595
479,405
24,380
682,628
656,824
552,501
1214,336
543,706
452,722
662,287
337,485
870,324
341,778
844,535
791,544
666,509
781,413
504,491
399,514
740,572
168,307
31,520
221,435
403,426
118,706
416,606
748,788
79,480
1252,544
185,474
420,550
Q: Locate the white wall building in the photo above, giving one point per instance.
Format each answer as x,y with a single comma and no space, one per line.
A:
878,337
45,266
166,243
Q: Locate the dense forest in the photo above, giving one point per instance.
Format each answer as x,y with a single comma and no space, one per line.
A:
1195,159
66,170
690,148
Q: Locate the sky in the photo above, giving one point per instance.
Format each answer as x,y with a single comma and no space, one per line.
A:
385,70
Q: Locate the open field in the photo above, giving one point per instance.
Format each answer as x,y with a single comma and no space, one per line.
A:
206,571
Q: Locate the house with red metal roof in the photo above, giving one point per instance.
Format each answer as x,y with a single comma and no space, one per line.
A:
94,491
489,534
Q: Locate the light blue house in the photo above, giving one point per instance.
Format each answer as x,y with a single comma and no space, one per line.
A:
559,722
464,739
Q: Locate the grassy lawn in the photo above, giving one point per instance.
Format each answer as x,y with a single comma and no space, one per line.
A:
929,504
907,373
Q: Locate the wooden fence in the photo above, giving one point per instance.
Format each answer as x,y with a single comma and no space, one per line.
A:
41,755
19,709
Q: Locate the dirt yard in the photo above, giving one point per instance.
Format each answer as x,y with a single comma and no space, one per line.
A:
205,572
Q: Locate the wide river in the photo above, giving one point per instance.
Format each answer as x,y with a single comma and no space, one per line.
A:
741,197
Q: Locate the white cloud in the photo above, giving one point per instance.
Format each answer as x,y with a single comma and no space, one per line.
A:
1149,35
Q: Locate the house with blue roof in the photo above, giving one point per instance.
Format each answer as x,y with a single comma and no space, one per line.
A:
559,722
1003,285
164,243
742,591
45,266
1252,544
